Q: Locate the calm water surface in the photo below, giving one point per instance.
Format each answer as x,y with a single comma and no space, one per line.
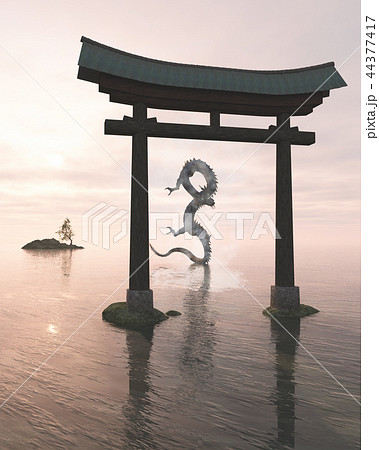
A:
220,376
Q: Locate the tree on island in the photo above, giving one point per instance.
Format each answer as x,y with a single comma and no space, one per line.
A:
66,233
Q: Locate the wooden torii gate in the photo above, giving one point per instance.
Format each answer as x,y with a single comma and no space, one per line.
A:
147,83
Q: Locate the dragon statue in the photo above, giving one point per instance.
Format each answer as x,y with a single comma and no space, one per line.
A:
200,199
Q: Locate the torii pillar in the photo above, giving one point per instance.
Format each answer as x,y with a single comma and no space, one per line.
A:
139,296
284,295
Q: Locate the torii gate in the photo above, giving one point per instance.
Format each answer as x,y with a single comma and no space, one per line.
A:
148,83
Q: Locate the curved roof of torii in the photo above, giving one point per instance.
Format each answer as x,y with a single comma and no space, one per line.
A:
131,78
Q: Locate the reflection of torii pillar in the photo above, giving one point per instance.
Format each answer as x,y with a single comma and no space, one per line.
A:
286,342
137,408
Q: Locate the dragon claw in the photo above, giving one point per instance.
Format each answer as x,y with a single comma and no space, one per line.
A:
171,230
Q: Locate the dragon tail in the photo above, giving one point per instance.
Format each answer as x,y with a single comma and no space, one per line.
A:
186,252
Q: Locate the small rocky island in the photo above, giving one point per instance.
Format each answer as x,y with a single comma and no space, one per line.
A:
49,244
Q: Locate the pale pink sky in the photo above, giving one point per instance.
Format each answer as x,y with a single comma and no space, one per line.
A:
51,124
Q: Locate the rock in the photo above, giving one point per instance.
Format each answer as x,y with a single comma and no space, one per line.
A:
49,244
118,314
303,311
173,313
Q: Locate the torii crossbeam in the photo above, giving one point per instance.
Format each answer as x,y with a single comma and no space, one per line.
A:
147,83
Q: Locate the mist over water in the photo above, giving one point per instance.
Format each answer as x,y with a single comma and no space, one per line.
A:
220,376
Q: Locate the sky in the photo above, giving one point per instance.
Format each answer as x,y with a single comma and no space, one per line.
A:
55,161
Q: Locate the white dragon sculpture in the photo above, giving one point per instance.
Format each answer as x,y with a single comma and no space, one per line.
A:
204,197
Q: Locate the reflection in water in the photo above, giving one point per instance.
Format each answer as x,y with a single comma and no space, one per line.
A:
285,378
60,257
80,399
66,262
198,334
141,428
137,408
52,328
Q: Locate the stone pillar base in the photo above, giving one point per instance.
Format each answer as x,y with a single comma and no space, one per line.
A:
139,300
285,297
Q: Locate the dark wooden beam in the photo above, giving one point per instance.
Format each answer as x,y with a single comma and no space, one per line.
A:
214,118
173,104
128,91
152,128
